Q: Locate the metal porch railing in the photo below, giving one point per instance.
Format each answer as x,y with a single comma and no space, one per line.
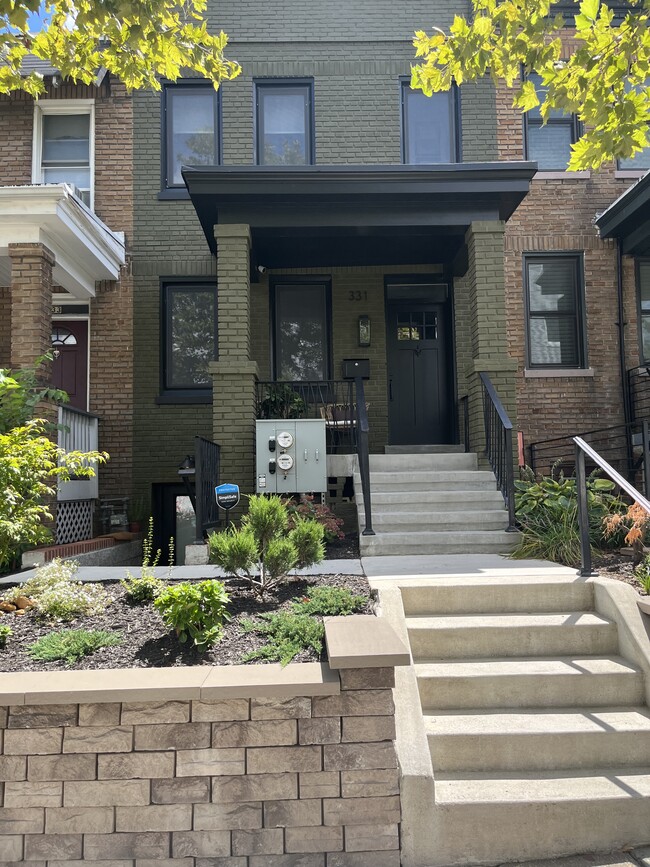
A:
498,445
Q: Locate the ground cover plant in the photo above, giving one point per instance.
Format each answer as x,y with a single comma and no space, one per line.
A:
71,645
57,596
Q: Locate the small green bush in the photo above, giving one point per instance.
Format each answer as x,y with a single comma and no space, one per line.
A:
328,602
71,644
287,633
196,611
641,573
264,550
5,633
139,591
57,596
307,508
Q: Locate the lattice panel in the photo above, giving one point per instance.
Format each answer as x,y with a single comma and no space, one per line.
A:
74,521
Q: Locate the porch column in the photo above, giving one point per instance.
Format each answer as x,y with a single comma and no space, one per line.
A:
234,374
30,304
487,312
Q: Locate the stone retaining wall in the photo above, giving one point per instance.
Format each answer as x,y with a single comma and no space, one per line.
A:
258,767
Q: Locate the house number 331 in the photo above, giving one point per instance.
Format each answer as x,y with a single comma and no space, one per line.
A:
358,295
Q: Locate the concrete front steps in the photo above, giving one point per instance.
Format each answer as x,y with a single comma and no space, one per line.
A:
538,728
432,500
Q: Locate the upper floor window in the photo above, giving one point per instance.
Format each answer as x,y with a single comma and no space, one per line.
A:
284,118
63,145
641,160
643,280
549,144
554,308
190,128
429,126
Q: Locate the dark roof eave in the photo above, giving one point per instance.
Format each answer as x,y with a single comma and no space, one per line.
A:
627,207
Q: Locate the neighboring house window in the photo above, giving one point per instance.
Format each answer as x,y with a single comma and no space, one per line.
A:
301,331
641,160
190,129
554,309
643,279
429,126
549,144
284,119
63,145
189,335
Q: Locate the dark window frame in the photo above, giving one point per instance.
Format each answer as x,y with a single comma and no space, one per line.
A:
570,120
182,394
171,190
641,260
454,123
278,280
580,309
259,85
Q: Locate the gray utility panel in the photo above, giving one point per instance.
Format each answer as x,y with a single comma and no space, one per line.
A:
291,456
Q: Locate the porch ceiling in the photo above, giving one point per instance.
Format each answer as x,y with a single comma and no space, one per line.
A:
84,248
628,219
356,215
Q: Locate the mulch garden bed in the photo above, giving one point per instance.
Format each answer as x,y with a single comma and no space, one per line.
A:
618,566
343,549
146,642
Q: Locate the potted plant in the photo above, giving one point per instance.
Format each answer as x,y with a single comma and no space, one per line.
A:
138,514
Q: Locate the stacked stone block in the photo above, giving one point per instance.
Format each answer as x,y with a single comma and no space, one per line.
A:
241,782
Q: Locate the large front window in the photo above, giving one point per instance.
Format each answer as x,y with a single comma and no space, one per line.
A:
63,145
191,135
428,126
284,123
301,331
554,302
189,340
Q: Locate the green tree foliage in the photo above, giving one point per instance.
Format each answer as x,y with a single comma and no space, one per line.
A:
30,465
603,82
139,41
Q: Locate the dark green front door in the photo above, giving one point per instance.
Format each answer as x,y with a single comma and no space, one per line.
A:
418,395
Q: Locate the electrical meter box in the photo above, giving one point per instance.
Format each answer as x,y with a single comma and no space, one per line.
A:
291,457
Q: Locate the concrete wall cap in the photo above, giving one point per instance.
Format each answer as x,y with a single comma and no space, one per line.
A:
164,684
363,641
232,230
644,604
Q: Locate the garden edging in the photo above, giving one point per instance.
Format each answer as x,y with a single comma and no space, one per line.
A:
207,766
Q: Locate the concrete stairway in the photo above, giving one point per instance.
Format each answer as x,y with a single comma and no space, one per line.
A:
538,730
433,501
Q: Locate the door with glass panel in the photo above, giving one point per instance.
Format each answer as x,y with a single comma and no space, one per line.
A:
418,393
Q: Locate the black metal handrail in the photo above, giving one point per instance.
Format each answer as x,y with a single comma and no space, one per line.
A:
363,453
583,450
638,379
463,421
206,461
498,445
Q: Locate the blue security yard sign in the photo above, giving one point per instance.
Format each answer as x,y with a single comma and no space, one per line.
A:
227,496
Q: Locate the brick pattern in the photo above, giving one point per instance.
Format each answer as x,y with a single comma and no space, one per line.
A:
246,782
31,303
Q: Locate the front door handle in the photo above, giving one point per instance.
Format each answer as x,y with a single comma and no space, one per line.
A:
390,389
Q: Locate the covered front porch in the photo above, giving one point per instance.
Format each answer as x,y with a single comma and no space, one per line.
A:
323,272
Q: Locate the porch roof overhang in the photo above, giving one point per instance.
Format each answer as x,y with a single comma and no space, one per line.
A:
84,248
628,219
311,216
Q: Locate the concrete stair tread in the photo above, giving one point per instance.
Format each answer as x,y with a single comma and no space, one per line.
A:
525,666
453,535
575,619
446,475
440,496
430,449
542,786
537,721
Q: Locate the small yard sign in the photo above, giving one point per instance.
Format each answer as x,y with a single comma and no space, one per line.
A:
227,496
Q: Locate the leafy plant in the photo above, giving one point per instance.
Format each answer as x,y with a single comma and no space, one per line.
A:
634,523
307,508
57,596
641,573
71,644
139,591
328,602
282,401
21,393
263,551
288,635
5,633
552,537
195,611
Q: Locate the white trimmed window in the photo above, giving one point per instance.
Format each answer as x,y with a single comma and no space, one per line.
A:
64,145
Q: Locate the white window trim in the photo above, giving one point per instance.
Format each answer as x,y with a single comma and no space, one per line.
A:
62,106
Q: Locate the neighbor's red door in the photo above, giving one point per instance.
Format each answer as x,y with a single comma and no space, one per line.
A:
70,365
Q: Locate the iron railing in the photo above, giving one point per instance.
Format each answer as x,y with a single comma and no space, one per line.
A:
77,430
582,451
331,400
463,421
498,445
363,453
206,478
638,379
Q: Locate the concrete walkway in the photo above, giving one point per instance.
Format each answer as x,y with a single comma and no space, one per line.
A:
633,858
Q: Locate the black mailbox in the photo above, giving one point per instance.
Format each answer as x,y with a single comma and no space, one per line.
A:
353,367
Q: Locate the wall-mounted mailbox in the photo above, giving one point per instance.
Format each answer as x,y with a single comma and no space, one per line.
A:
291,456
353,367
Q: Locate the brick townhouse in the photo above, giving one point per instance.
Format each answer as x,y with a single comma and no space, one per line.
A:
313,211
